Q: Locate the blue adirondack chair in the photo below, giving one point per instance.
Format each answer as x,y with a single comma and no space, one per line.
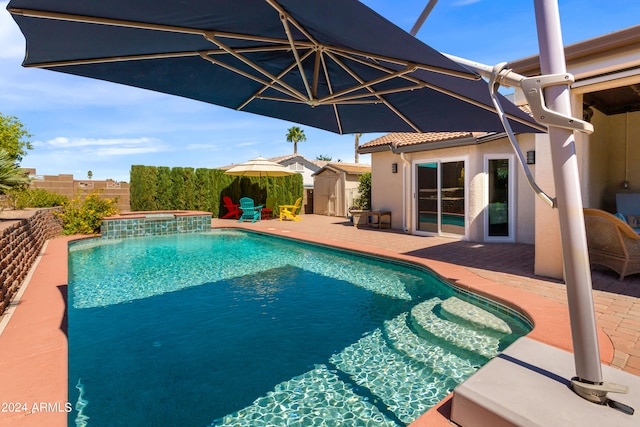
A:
250,212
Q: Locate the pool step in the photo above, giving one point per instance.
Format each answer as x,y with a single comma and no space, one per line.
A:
459,311
315,398
406,386
443,361
387,378
426,322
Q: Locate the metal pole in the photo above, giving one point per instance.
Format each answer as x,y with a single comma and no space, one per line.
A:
423,16
569,201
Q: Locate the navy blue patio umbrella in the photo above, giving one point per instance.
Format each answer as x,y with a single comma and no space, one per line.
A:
331,64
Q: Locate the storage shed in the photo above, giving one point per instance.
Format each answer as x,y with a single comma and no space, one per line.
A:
336,188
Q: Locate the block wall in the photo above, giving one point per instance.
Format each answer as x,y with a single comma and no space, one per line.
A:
20,243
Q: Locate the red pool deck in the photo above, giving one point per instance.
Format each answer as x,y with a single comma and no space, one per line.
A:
33,345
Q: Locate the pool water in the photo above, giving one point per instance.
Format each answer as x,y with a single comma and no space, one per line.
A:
227,328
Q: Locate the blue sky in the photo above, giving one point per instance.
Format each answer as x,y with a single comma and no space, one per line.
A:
79,124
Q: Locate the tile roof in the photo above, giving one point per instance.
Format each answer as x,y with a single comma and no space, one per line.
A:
282,159
403,139
350,168
400,139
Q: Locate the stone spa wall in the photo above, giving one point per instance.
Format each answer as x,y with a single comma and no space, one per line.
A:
22,235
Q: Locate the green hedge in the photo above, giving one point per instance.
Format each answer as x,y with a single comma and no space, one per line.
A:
163,188
144,193
164,192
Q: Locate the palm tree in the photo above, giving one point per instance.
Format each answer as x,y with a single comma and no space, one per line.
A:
358,135
295,135
10,173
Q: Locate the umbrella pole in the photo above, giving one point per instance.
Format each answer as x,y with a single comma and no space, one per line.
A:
588,382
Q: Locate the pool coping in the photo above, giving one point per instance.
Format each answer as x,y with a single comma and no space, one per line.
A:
34,343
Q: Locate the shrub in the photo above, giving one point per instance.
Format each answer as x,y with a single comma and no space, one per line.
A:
364,188
84,215
36,198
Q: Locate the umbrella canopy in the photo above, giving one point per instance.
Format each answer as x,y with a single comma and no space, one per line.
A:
259,167
331,64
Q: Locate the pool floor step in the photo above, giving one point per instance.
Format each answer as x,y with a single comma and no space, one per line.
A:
406,387
427,322
387,378
442,361
460,311
315,398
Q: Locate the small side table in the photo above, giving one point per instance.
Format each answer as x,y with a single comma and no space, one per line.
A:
380,219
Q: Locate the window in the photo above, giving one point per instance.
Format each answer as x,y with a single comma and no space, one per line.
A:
499,211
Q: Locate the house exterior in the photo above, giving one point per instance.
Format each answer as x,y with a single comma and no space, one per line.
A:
305,167
470,186
336,188
302,165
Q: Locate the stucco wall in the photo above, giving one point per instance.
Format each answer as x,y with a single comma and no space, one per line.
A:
614,146
387,187
65,184
548,250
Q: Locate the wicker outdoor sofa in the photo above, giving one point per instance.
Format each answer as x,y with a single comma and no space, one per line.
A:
612,242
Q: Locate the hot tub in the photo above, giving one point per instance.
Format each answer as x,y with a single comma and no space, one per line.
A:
154,223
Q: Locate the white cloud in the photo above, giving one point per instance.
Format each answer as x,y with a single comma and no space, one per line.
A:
247,144
103,147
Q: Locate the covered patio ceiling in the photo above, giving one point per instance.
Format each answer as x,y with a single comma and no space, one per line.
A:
618,100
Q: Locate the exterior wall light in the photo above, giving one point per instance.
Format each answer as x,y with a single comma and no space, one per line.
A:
394,168
531,157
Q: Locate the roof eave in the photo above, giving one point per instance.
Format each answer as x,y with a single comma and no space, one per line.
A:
426,146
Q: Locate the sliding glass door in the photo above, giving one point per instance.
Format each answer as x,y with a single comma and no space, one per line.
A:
427,197
440,197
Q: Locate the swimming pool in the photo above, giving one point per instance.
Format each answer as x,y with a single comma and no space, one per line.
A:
229,328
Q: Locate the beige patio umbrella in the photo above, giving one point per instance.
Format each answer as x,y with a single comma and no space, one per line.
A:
259,167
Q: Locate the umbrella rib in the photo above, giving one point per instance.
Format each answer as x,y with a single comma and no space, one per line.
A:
300,28
250,76
147,56
360,96
348,52
120,58
330,86
366,84
423,84
212,38
316,72
341,102
284,72
369,88
294,50
145,26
